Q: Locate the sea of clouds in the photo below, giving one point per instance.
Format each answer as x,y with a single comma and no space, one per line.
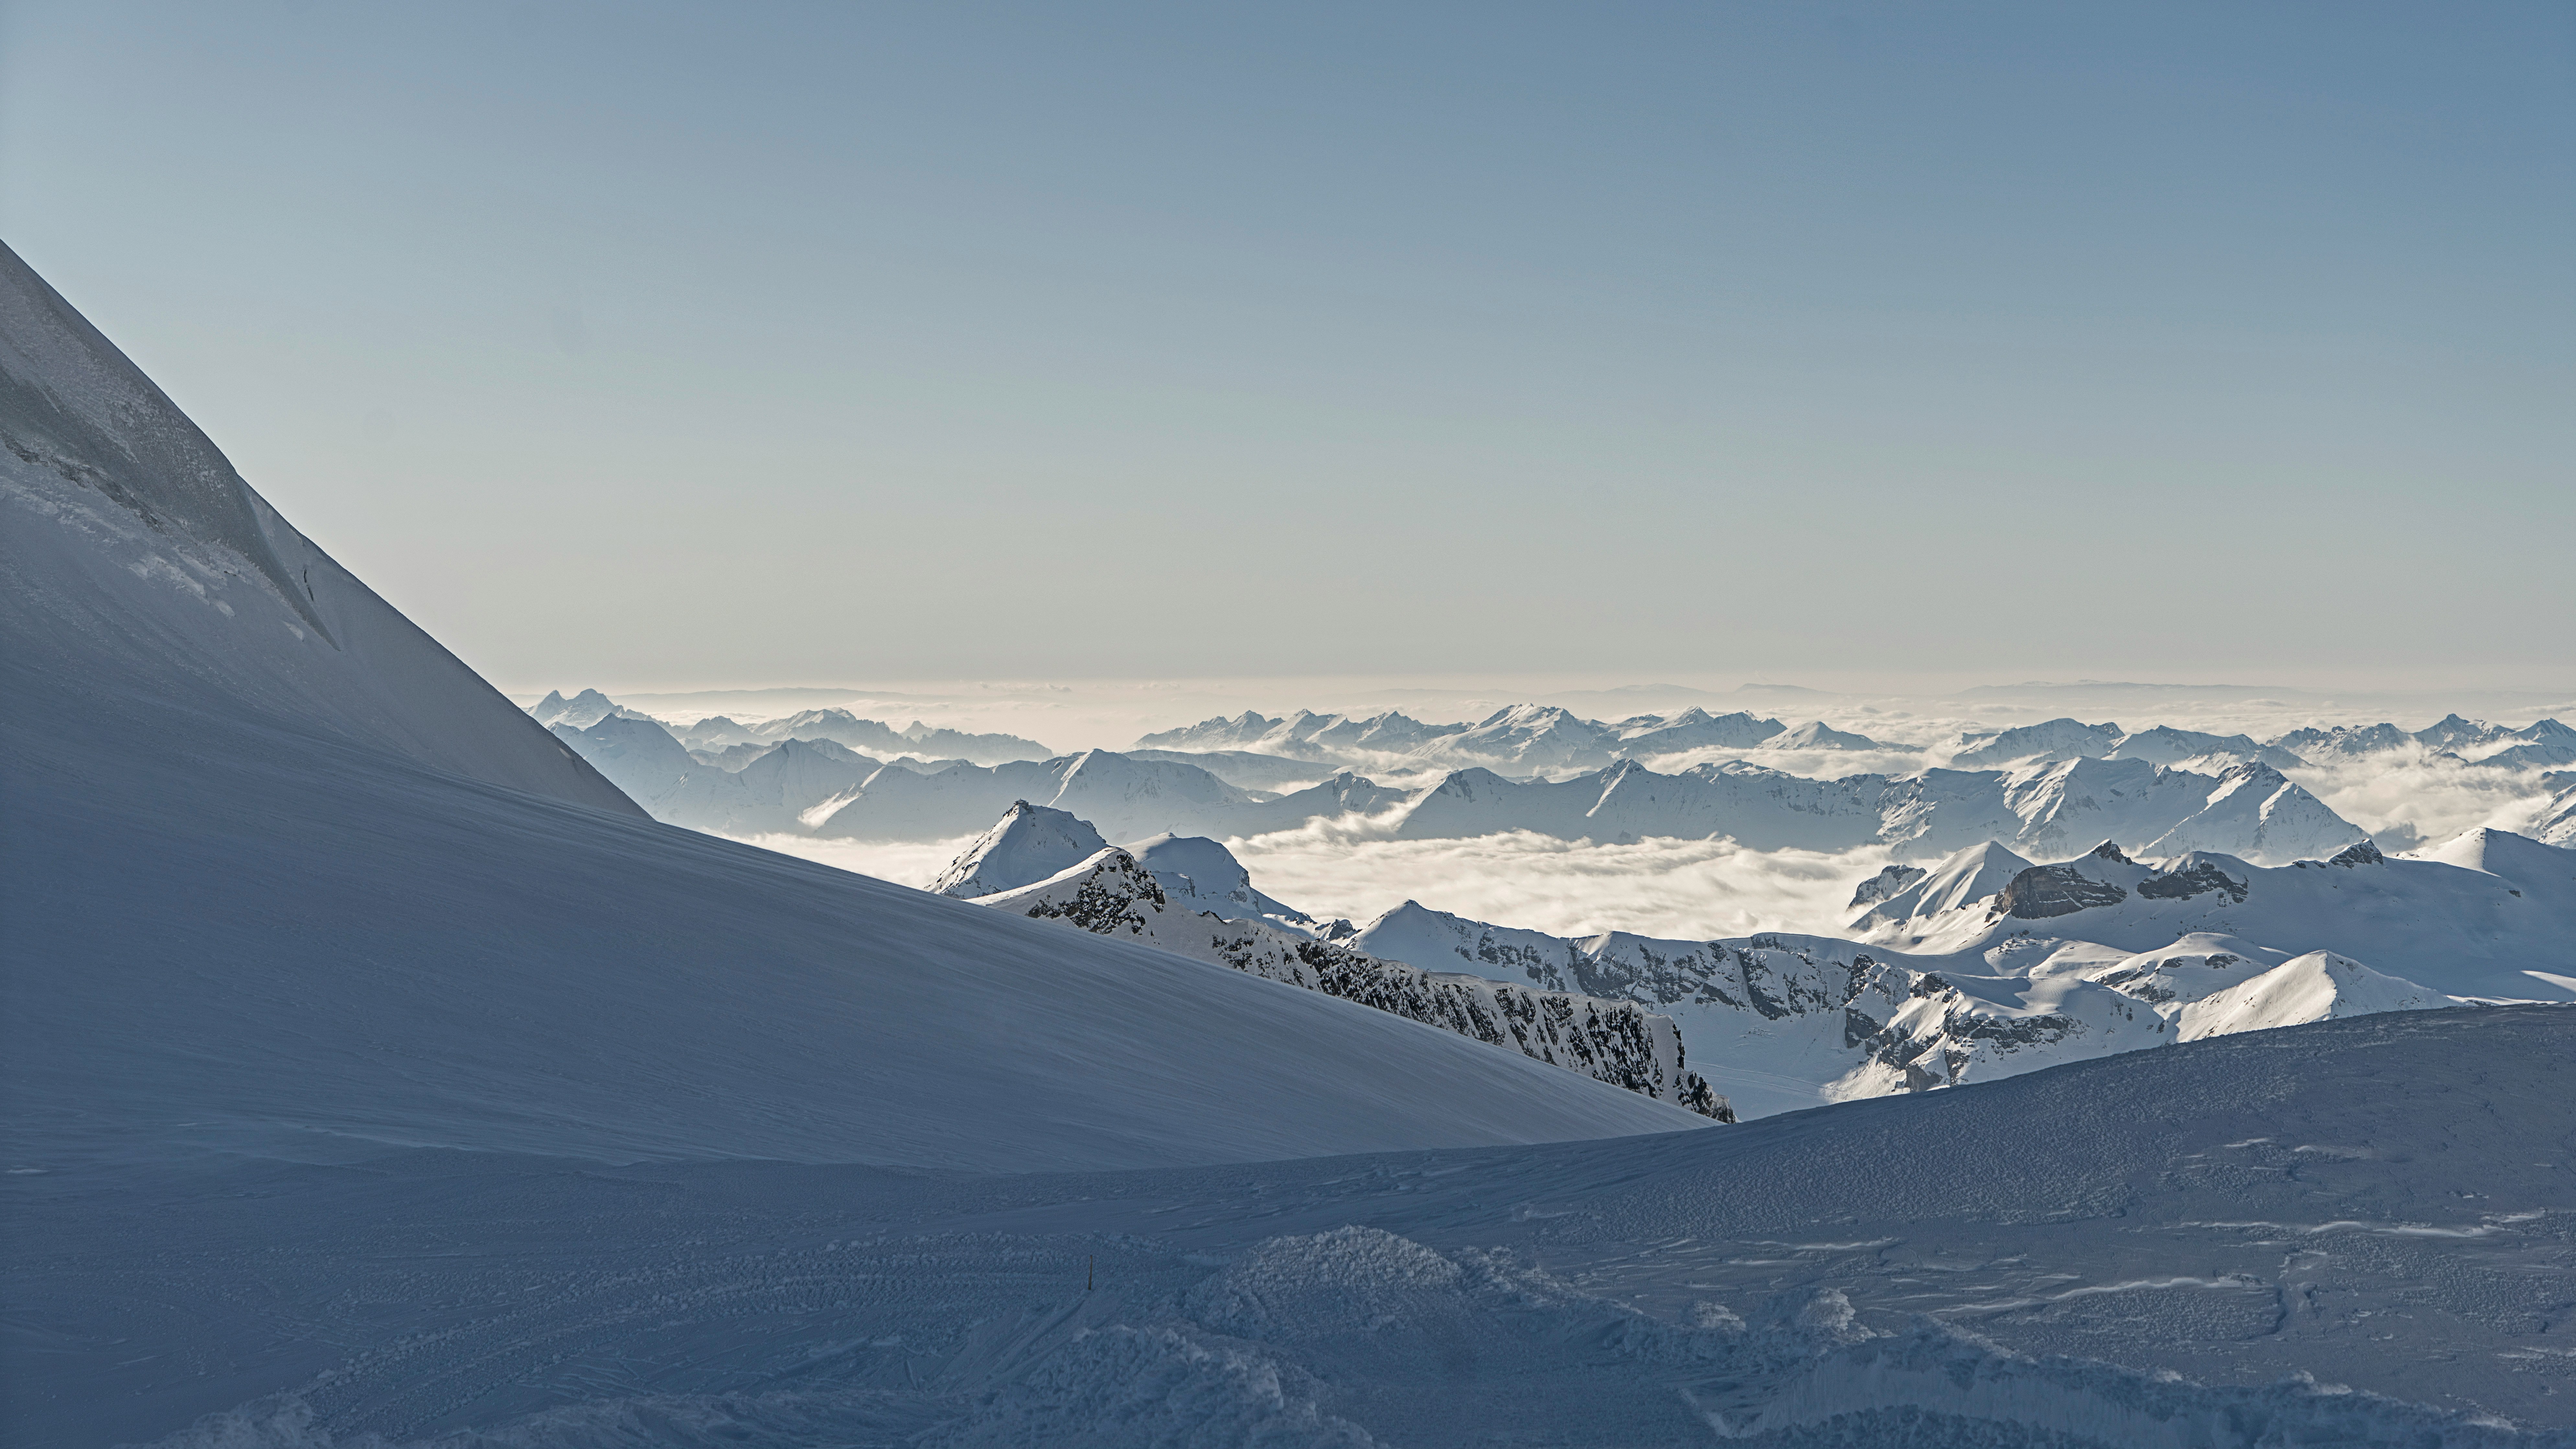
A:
1699,889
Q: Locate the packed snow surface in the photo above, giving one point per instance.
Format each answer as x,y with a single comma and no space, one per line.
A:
2357,1233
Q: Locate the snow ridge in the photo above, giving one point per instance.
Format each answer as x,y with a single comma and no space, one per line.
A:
1113,894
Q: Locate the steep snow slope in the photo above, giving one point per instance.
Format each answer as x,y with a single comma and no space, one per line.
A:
264,885
217,929
2355,1233
1028,844
137,559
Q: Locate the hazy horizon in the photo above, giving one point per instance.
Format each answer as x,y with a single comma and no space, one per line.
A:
662,344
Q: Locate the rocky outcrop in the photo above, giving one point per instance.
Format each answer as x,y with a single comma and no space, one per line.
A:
1619,1042
2054,890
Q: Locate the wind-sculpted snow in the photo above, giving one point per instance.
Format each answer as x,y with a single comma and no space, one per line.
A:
1112,894
2354,1233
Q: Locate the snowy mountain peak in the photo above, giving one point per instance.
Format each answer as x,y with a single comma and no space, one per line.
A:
2047,741
1030,843
1817,735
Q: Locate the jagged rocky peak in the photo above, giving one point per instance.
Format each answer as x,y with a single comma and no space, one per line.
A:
1029,844
2360,852
2055,890
2109,850
581,711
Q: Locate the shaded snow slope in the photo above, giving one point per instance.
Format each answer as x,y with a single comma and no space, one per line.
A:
133,558
217,924
265,885
2356,1233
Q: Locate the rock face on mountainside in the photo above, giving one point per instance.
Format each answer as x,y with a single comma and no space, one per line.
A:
1113,894
1989,964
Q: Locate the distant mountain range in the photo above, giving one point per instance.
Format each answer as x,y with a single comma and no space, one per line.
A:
1981,966
823,788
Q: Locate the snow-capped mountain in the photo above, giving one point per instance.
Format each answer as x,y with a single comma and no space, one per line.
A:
1198,874
2464,918
1113,894
1028,844
1817,735
2165,745
377,1075
322,884
581,711
1244,769
2556,822
2252,809
1692,729
2249,809
1988,965
2057,739
1529,738
2540,745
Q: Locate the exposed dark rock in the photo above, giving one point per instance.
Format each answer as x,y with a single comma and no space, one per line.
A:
2056,890
2201,878
1884,884
2360,852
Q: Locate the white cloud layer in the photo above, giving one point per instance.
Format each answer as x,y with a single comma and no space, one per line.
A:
1692,889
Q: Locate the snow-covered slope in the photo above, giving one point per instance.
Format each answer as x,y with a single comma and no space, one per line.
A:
2165,745
137,561
2556,822
1198,874
1028,844
2350,1234
1112,894
2052,740
280,870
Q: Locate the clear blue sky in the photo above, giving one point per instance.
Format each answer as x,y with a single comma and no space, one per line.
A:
740,343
